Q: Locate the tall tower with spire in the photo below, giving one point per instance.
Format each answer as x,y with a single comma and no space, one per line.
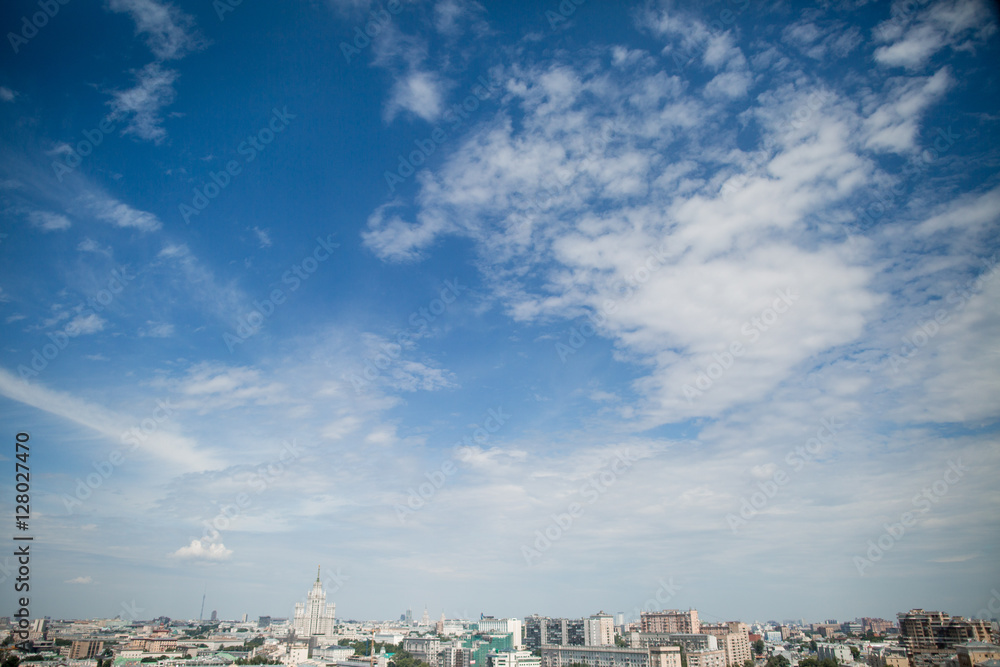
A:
315,617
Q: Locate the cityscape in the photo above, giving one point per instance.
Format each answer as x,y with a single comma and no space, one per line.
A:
314,637
500,333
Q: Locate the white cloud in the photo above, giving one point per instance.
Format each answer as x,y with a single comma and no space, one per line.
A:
87,324
157,330
49,221
140,106
120,214
418,92
163,444
263,237
80,580
6,94
169,31
199,550
917,35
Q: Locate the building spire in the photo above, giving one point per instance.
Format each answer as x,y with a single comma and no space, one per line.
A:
317,574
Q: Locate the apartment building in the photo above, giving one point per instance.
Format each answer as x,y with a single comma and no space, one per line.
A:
734,640
595,656
671,620
706,658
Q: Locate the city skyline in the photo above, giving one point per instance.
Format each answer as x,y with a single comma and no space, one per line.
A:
545,307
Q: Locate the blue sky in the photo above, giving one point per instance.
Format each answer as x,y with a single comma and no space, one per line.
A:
509,308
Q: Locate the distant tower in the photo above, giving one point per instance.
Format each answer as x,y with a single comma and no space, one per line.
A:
409,616
315,617
425,619
215,615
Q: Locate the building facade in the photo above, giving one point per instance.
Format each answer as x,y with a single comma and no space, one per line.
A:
542,630
839,652
671,620
973,654
315,617
599,630
594,656
706,658
734,640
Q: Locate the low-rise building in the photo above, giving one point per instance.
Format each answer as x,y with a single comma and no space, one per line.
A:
595,656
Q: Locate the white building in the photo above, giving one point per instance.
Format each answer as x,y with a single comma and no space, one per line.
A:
599,630
513,659
501,626
839,652
315,617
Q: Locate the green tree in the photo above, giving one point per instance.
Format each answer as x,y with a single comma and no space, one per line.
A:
855,651
812,645
777,661
758,647
10,660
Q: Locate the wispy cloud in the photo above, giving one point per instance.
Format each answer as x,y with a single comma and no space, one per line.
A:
140,106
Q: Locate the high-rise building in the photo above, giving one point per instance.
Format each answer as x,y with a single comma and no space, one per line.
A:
670,620
540,630
599,630
734,640
929,630
315,617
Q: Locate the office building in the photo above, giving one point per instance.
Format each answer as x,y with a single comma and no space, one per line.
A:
699,642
